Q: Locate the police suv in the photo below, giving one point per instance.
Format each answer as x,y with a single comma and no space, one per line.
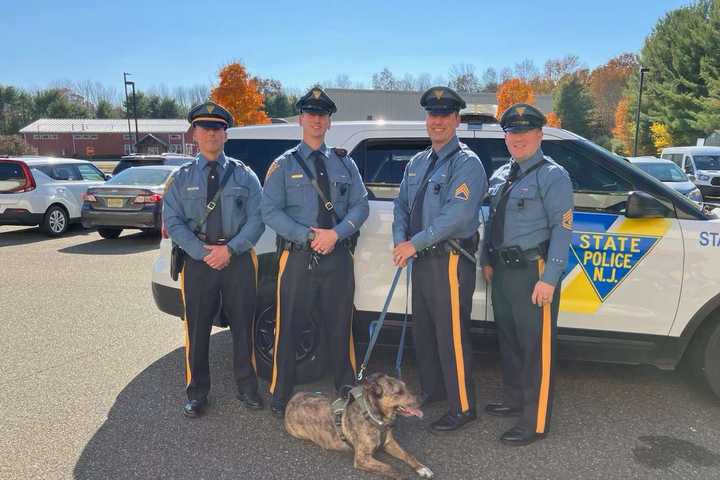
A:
641,285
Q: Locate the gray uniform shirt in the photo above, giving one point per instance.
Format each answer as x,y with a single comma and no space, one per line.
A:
452,198
539,208
290,203
186,200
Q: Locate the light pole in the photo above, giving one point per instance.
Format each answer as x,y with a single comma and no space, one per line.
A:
127,105
643,70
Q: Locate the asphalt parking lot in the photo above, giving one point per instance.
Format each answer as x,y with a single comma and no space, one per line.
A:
91,387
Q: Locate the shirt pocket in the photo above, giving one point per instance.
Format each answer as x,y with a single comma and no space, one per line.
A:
193,204
413,183
234,200
340,192
525,200
298,190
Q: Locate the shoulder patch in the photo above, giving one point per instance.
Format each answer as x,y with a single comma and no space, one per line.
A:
271,169
340,152
462,192
567,219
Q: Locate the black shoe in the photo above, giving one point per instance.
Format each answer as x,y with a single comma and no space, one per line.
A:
251,401
502,410
519,436
453,421
195,408
277,409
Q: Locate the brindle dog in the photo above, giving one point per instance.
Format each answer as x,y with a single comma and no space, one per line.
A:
309,416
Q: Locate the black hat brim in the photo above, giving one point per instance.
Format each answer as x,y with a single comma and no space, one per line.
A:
313,109
441,110
520,128
210,124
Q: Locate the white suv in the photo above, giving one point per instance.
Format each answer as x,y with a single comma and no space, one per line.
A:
701,164
45,191
643,277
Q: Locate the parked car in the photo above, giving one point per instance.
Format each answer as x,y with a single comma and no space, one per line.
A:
643,271
702,165
670,174
174,159
44,191
130,199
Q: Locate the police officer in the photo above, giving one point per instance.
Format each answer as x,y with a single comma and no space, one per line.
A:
316,233
527,241
220,263
436,222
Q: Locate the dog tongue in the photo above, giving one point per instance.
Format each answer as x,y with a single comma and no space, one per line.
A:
416,412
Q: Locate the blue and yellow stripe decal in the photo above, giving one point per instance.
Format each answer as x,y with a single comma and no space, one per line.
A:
605,249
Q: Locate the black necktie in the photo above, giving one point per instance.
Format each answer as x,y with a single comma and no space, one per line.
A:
214,220
497,229
324,218
416,212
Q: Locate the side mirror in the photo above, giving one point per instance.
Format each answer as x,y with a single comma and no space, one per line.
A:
691,177
644,205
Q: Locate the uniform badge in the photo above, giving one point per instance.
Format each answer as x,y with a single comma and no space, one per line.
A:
316,93
271,169
462,192
520,110
297,175
438,92
210,108
567,220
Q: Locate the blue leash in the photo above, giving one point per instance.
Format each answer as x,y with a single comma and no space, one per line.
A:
401,347
376,326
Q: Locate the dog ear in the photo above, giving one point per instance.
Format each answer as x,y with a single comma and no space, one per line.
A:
377,389
373,385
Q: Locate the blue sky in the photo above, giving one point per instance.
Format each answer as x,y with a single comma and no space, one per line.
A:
180,43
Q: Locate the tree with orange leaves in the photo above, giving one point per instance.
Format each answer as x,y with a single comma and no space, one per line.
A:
240,94
553,120
622,131
513,91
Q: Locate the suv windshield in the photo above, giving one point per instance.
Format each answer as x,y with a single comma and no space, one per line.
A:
665,172
707,162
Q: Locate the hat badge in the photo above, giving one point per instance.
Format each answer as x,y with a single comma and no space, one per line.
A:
520,111
210,108
438,92
316,93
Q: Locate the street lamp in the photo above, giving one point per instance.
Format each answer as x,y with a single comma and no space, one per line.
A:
127,104
132,84
643,70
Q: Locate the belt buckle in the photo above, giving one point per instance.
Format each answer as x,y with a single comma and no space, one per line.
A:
512,256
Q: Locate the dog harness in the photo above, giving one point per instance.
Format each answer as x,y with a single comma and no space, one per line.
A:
340,405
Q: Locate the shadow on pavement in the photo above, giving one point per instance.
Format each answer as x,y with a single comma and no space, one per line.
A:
133,243
26,236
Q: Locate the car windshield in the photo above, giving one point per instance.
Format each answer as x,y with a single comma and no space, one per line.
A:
707,162
665,172
140,176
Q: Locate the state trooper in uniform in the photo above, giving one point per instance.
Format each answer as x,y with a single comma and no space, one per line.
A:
436,218
316,235
526,248
220,264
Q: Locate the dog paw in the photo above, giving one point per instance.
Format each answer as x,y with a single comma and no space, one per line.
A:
425,472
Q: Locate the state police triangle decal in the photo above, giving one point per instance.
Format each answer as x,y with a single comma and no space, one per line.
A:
607,258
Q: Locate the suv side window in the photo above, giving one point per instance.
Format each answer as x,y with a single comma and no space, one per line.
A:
63,173
596,187
382,164
258,154
91,173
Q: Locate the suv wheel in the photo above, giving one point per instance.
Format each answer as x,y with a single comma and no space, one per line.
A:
109,232
56,221
308,356
704,354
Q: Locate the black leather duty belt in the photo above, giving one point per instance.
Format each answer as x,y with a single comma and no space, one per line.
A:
219,241
441,248
516,257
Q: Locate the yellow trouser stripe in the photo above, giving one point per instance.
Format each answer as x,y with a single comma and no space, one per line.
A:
545,359
281,269
352,346
188,373
254,259
457,337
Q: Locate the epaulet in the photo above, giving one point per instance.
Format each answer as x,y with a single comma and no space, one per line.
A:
340,152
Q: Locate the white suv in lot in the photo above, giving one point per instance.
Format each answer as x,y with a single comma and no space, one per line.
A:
701,164
643,278
45,191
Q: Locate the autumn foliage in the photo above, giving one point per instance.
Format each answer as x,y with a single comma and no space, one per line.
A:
513,91
240,94
553,120
660,135
623,129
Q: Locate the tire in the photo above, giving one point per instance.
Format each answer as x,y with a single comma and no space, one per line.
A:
110,232
704,354
308,356
55,222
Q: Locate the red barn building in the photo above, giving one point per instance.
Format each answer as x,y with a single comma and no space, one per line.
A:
108,138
